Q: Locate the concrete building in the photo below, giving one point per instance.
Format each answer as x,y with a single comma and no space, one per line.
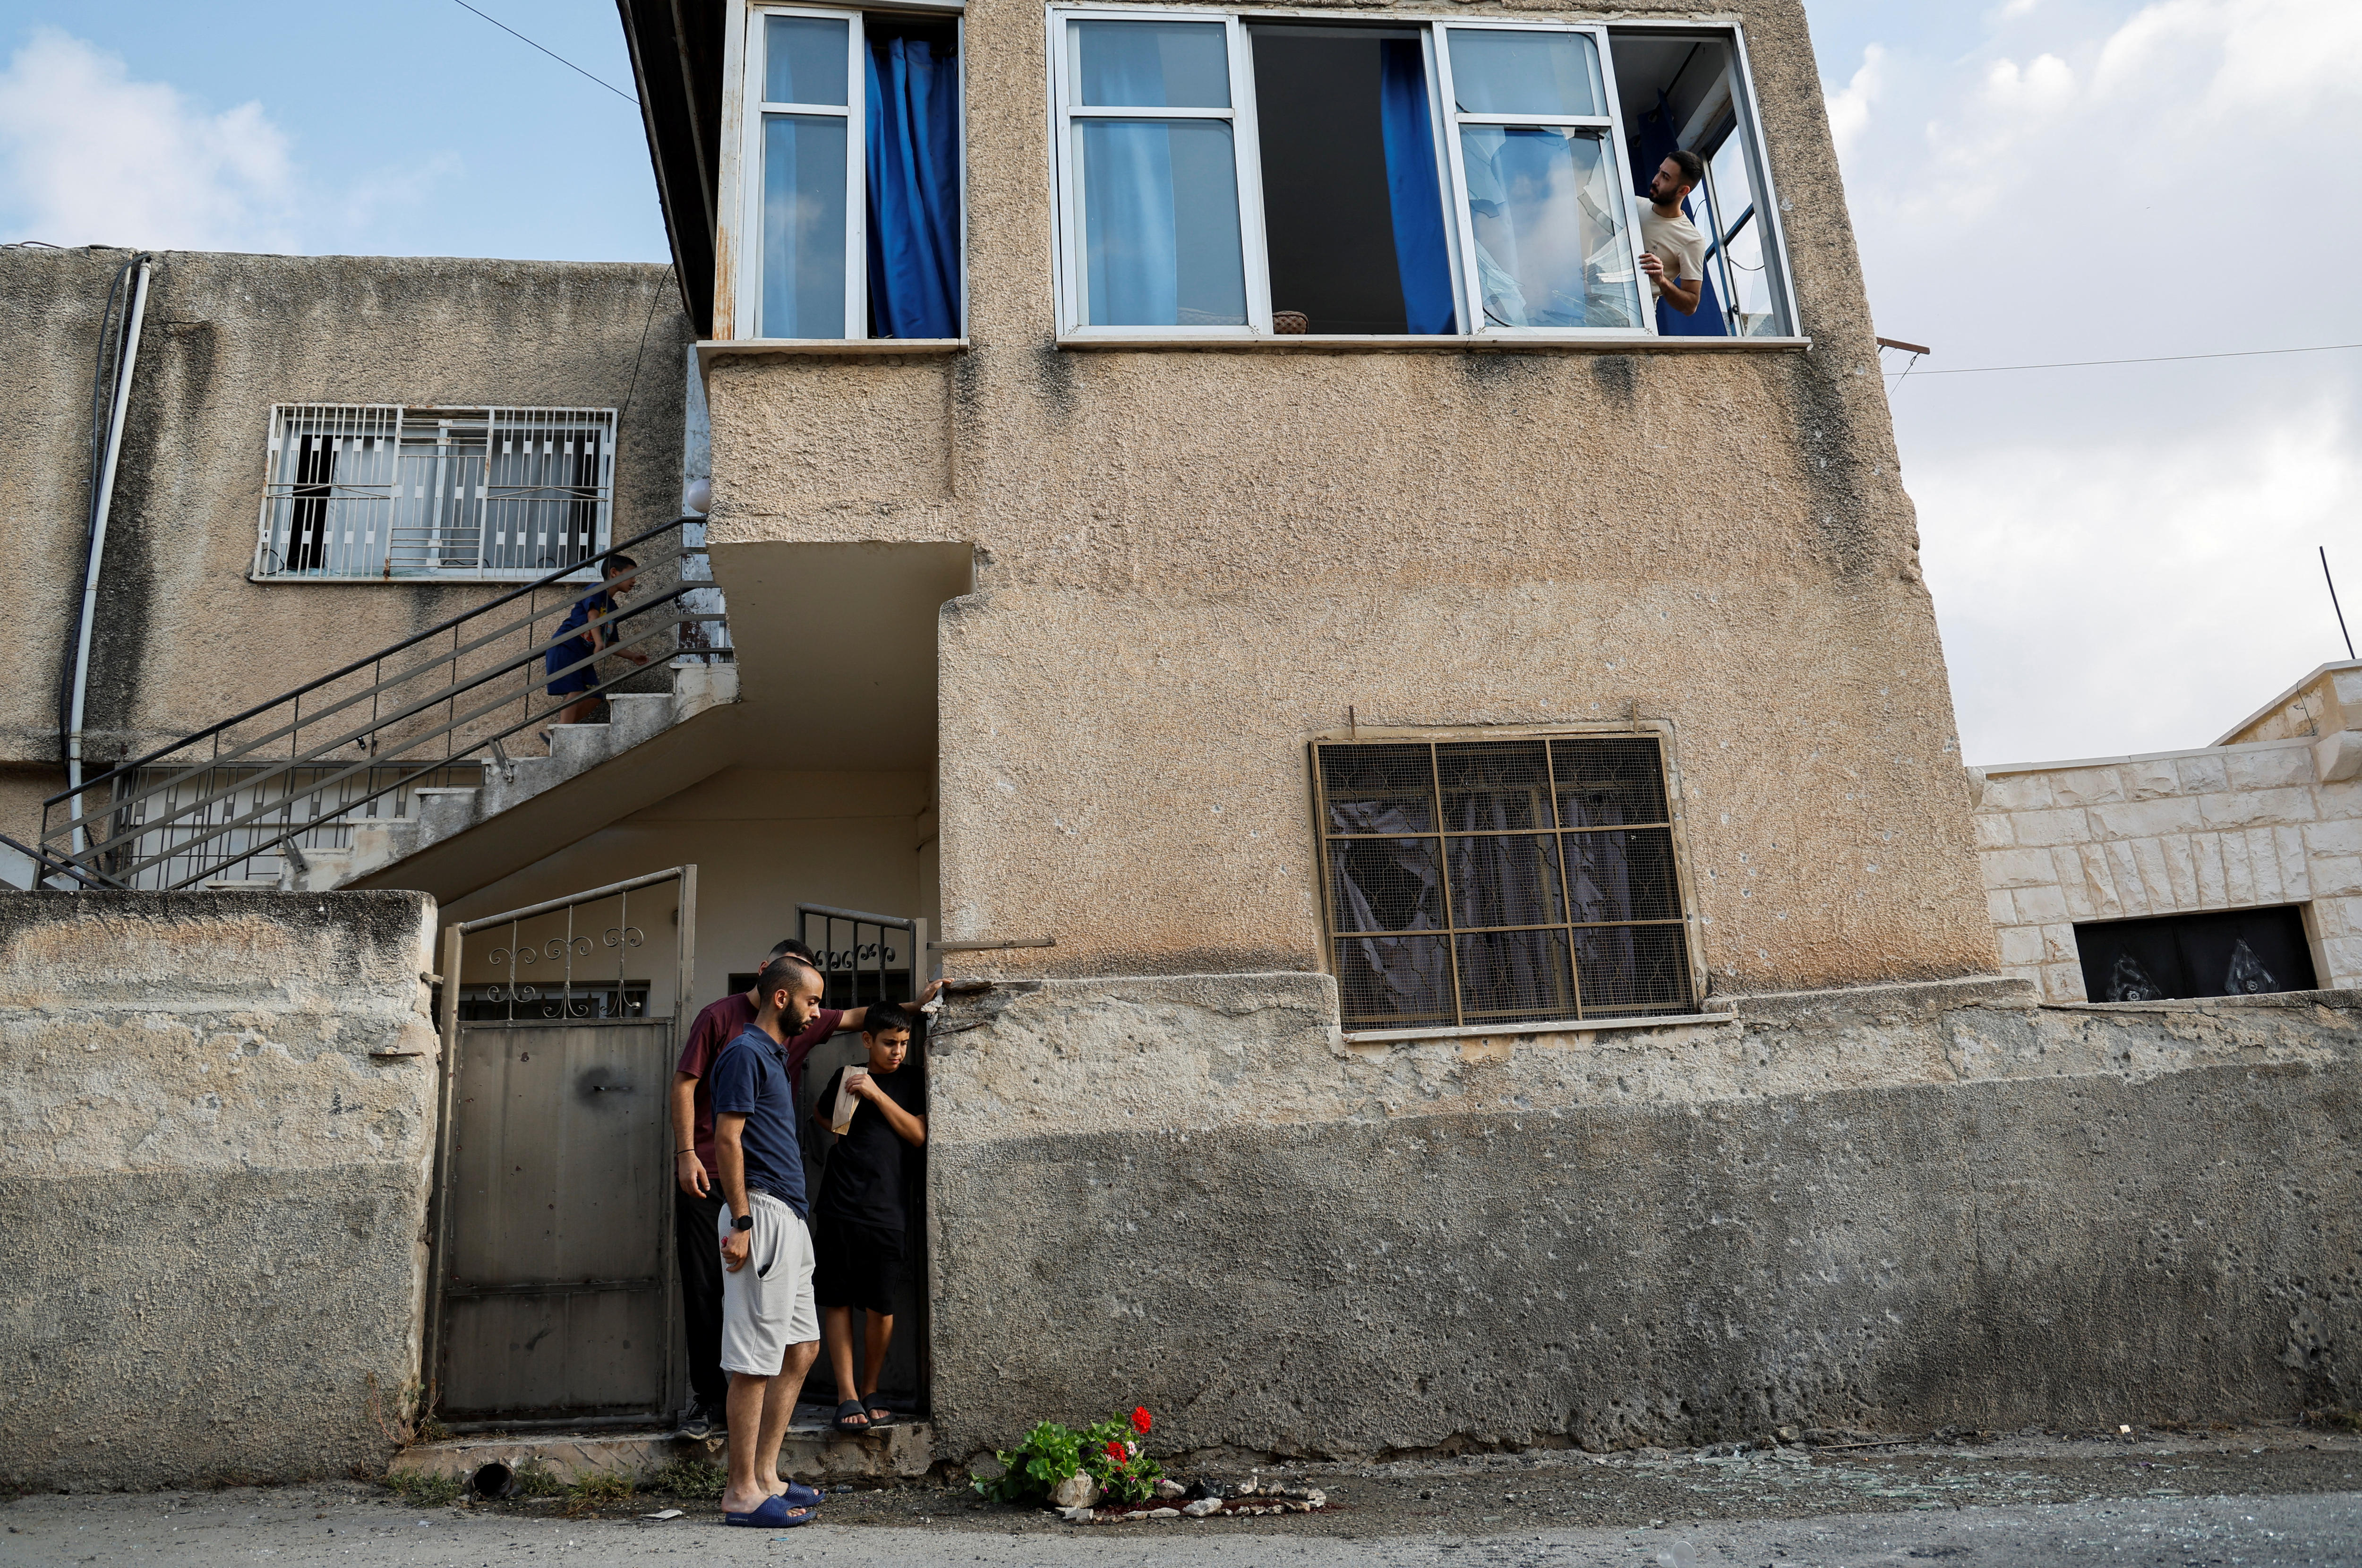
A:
1430,775
2231,869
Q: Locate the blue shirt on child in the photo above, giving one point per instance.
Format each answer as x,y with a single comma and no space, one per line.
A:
750,1079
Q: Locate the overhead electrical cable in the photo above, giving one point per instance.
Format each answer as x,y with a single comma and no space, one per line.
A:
2153,359
553,54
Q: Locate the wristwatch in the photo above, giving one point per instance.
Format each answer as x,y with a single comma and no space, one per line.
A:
744,1222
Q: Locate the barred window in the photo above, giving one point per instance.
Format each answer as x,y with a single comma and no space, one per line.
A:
1498,882
380,490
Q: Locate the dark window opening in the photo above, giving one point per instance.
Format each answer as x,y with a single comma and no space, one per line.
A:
316,472
1679,90
1496,882
2227,954
1329,221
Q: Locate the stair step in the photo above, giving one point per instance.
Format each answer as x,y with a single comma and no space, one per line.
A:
439,812
574,747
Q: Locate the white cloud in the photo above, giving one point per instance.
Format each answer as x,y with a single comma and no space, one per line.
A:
88,156
2120,558
1849,108
2133,598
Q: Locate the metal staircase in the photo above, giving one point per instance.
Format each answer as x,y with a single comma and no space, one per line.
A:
352,772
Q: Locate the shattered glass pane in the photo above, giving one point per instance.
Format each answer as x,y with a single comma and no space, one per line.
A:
2246,976
2129,982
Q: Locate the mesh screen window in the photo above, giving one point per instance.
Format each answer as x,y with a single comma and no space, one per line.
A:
1498,882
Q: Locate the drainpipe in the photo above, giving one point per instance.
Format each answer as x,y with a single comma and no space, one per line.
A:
99,506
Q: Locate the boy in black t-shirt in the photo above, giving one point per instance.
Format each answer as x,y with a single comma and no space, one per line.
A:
859,1218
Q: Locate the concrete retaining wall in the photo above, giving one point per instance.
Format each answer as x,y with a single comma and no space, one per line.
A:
219,1115
1901,1208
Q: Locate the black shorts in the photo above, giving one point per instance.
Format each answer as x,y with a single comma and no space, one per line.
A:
854,1265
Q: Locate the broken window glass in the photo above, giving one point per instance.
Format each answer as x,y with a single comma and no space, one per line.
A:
1493,882
2224,953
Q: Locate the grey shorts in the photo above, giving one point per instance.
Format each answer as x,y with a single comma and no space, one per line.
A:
767,1305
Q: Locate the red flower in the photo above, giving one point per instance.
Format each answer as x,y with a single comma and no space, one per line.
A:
1140,1419
1115,1452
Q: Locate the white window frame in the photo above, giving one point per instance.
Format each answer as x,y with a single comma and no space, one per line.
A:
1071,304
374,507
1738,84
1448,119
1246,165
744,165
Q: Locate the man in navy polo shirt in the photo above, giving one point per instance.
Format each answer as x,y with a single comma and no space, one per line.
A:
770,1329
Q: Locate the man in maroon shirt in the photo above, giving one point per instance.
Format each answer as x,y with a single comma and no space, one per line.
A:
699,1201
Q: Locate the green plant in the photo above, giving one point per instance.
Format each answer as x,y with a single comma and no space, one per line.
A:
422,1490
537,1479
1109,1452
596,1489
1047,1456
689,1478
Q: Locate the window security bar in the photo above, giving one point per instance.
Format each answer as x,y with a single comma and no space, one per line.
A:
375,490
1501,882
378,725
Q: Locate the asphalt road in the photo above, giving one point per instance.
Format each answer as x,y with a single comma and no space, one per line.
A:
2224,1500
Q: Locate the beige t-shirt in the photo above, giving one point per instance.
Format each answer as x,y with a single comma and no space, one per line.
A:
1676,242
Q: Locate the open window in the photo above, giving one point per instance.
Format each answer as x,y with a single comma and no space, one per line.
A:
1231,176
1688,89
849,174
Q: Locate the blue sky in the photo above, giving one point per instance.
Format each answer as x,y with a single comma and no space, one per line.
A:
2121,557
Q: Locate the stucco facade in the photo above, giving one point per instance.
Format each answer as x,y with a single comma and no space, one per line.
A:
182,636
1191,563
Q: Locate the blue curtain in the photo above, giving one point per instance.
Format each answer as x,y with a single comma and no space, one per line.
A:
914,230
1652,142
1411,189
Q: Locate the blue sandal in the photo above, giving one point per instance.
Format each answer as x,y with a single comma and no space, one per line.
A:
775,1514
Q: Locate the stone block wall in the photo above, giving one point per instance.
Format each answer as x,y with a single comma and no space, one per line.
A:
219,1113
1898,1207
2216,828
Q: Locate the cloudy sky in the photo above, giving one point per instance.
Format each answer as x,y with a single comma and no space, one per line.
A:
2121,557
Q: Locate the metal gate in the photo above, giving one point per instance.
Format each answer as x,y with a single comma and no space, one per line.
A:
556,1295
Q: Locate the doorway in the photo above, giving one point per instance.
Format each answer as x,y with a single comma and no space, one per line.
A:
867,958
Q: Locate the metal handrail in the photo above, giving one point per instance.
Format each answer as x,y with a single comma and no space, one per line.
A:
97,851
46,863
359,664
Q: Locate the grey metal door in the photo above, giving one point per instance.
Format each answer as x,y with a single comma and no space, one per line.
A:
553,1284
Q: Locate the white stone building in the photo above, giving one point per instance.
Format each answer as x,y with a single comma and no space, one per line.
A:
2263,825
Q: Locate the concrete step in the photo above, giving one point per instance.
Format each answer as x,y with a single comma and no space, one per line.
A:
576,747
813,1453
440,812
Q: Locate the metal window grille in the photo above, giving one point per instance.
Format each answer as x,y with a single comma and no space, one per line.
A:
173,854
1498,882
382,490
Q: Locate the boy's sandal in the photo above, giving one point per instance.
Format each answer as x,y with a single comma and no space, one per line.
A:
775,1514
846,1414
879,1416
799,1496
